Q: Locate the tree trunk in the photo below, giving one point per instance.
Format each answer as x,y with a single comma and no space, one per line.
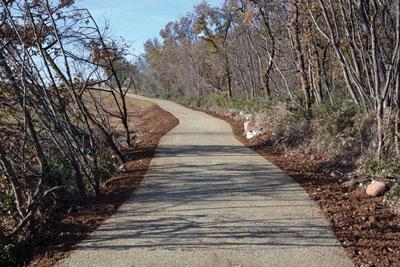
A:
300,62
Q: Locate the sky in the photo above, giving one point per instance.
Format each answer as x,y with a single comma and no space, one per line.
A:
139,20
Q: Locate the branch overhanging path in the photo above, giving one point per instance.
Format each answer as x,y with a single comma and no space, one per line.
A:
208,200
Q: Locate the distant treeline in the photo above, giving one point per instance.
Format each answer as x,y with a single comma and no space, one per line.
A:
307,52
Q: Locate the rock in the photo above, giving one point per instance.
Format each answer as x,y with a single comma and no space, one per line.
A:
250,130
248,116
252,134
336,174
376,188
246,126
122,168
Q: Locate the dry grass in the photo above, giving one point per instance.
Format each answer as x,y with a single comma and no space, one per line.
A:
143,104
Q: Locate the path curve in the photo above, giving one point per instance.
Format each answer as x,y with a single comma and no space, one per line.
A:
208,200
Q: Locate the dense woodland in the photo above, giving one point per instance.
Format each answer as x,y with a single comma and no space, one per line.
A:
306,53
332,66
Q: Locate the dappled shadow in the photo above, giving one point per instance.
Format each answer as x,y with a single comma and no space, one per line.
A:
214,196
344,162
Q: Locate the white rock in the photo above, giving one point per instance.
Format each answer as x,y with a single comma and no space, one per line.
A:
252,134
249,116
122,168
376,188
246,126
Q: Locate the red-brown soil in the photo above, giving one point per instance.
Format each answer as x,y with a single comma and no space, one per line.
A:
367,228
68,229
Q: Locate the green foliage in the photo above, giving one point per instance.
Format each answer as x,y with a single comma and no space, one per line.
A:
248,105
372,167
292,128
106,165
391,167
299,115
7,205
337,117
5,259
220,100
194,100
394,193
3,256
169,95
60,171
299,96
14,253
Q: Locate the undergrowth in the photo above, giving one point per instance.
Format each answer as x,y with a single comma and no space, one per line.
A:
218,101
336,130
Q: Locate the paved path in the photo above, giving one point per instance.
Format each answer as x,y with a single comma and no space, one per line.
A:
210,201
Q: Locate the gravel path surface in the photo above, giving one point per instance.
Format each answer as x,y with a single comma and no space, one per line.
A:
208,200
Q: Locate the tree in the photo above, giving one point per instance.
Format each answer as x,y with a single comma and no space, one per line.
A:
55,130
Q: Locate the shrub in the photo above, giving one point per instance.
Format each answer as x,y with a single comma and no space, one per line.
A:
218,100
248,105
394,193
239,103
14,254
195,100
389,167
335,118
392,198
169,95
106,165
60,171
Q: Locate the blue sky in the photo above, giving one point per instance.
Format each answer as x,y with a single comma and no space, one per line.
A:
139,20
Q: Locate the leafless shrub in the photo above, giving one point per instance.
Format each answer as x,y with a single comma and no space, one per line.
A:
55,63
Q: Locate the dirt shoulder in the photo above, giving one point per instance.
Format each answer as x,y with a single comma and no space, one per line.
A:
367,229
69,228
